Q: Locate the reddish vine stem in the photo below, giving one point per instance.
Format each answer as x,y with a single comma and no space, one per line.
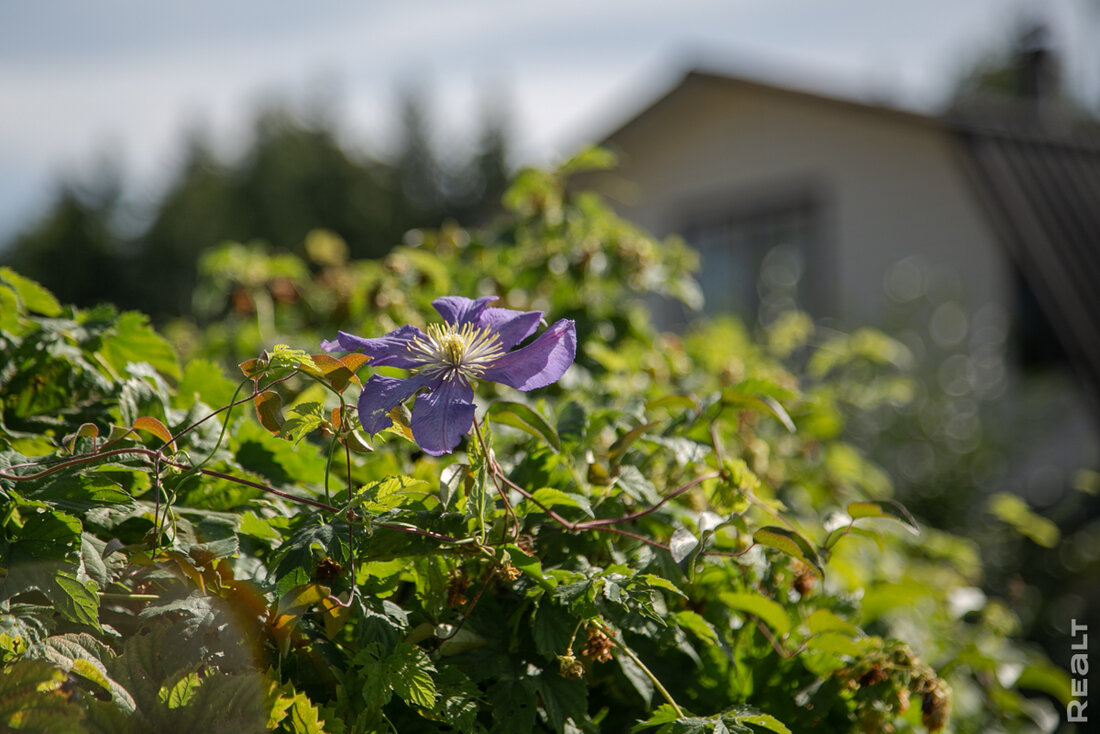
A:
588,524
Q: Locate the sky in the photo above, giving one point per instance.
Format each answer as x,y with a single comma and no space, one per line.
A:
123,81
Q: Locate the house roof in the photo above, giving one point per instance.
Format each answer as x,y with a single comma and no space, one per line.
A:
1041,190
1043,196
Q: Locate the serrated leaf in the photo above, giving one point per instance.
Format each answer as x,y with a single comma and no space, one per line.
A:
303,717
388,493
180,693
518,415
791,543
768,611
204,378
409,672
887,509
563,699
307,417
283,356
33,296
31,699
513,705
131,339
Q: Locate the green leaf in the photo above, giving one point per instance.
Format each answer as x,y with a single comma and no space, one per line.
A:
299,599
303,717
132,339
663,714
767,721
823,620
249,523
530,566
282,356
513,705
388,493
307,417
180,693
619,448
518,415
32,700
550,497
1012,510
33,296
693,622
1048,678
770,612
563,699
204,378
884,508
409,671
791,543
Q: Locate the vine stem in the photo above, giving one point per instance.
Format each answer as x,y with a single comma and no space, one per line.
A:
648,673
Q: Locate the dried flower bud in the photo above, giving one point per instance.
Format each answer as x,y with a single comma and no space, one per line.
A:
598,647
570,667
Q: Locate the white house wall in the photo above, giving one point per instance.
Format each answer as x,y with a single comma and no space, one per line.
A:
889,185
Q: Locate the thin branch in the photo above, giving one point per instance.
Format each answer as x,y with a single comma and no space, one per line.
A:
589,524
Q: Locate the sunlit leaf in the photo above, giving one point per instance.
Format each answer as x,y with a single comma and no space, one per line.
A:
518,415
682,543
791,543
770,612
886,509
155,427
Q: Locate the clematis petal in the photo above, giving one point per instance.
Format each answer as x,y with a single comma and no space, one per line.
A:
391,349
440,418
541,362
459,310
382,394
511,327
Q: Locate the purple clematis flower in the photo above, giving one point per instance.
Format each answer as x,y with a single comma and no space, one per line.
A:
472,343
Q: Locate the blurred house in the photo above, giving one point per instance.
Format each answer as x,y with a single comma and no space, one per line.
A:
847,209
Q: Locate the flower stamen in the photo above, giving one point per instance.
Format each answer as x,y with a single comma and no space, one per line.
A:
456,350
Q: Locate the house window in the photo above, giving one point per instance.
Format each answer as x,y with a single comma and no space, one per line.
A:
753,261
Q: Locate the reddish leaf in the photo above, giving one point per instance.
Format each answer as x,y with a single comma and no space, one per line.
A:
158,429
253,368
335,372
269,410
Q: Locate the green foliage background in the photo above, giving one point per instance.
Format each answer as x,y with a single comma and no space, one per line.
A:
678,536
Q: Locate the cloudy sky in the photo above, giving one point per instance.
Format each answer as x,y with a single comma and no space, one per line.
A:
122,79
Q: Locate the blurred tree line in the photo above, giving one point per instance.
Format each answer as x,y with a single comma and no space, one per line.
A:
294,176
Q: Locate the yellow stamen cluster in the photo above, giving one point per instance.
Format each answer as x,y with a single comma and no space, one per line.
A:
464,351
